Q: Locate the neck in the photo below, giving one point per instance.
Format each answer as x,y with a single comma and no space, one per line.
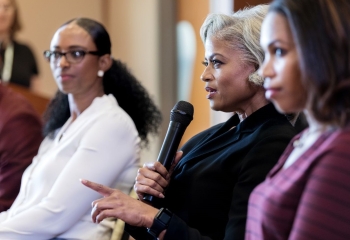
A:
78,103
315,125
256,102
4,39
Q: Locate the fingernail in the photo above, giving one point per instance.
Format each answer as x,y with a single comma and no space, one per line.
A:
82,180
161,195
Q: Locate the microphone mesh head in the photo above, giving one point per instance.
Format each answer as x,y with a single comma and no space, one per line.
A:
182,112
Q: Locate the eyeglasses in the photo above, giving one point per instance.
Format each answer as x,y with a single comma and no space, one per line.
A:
73,56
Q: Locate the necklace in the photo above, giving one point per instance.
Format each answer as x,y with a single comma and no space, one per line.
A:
8,61
299,143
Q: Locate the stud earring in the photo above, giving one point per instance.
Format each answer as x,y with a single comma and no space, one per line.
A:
100,73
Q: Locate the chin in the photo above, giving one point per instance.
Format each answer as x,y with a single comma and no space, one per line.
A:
214,107
282,108
63,90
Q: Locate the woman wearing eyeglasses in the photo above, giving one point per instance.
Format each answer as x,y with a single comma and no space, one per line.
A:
93,129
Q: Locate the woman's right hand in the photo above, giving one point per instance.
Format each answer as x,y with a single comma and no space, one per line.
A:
153,178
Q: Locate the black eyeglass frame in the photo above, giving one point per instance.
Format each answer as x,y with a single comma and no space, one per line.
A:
49,53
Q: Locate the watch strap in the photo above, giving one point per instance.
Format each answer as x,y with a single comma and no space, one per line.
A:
160,222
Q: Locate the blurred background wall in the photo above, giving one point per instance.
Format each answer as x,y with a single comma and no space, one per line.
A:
144,36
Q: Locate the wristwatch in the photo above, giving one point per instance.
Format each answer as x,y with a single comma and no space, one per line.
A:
160,222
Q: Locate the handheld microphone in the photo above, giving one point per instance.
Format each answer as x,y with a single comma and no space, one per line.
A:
180,117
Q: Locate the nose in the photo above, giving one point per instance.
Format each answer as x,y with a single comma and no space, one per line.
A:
62,61
206,75
266,69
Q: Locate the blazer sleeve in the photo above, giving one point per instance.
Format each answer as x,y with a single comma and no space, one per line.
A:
141,232
19,142
256,165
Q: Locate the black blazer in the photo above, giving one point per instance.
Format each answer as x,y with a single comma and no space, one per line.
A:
24,65
210,186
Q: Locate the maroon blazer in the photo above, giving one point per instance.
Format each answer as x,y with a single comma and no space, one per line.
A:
308,200
20,137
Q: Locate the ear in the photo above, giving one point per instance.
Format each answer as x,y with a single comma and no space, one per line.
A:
105,62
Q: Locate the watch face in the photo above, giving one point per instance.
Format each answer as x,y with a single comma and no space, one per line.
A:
160,222
164,217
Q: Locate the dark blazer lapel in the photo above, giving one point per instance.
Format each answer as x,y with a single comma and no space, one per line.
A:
223,136
214,141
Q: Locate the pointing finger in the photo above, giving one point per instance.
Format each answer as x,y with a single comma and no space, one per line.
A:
103,190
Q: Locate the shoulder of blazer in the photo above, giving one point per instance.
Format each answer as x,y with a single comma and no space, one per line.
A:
202,136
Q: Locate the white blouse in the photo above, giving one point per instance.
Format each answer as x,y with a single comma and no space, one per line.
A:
101,145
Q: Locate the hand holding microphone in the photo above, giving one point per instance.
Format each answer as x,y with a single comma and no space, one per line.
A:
180,117
153,178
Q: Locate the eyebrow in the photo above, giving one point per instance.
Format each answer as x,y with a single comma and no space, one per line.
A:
214,55
278,41
70,47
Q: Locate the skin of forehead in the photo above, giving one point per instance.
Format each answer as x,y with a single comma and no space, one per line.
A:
72,31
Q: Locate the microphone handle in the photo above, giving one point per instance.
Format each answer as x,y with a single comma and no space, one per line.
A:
168,151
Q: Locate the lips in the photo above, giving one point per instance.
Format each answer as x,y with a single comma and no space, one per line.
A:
211,92
271,92
65,77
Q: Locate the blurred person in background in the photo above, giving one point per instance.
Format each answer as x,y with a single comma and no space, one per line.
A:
20,137
17,61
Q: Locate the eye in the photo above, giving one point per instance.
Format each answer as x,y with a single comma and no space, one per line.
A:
279,52
55,54
6,7
205,63
216,62
77,53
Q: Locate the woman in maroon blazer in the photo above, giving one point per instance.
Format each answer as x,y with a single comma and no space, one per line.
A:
20,137
307,67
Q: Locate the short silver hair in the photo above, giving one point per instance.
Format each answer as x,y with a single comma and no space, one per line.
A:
241,31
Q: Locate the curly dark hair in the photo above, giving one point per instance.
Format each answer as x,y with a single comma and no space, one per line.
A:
119,81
